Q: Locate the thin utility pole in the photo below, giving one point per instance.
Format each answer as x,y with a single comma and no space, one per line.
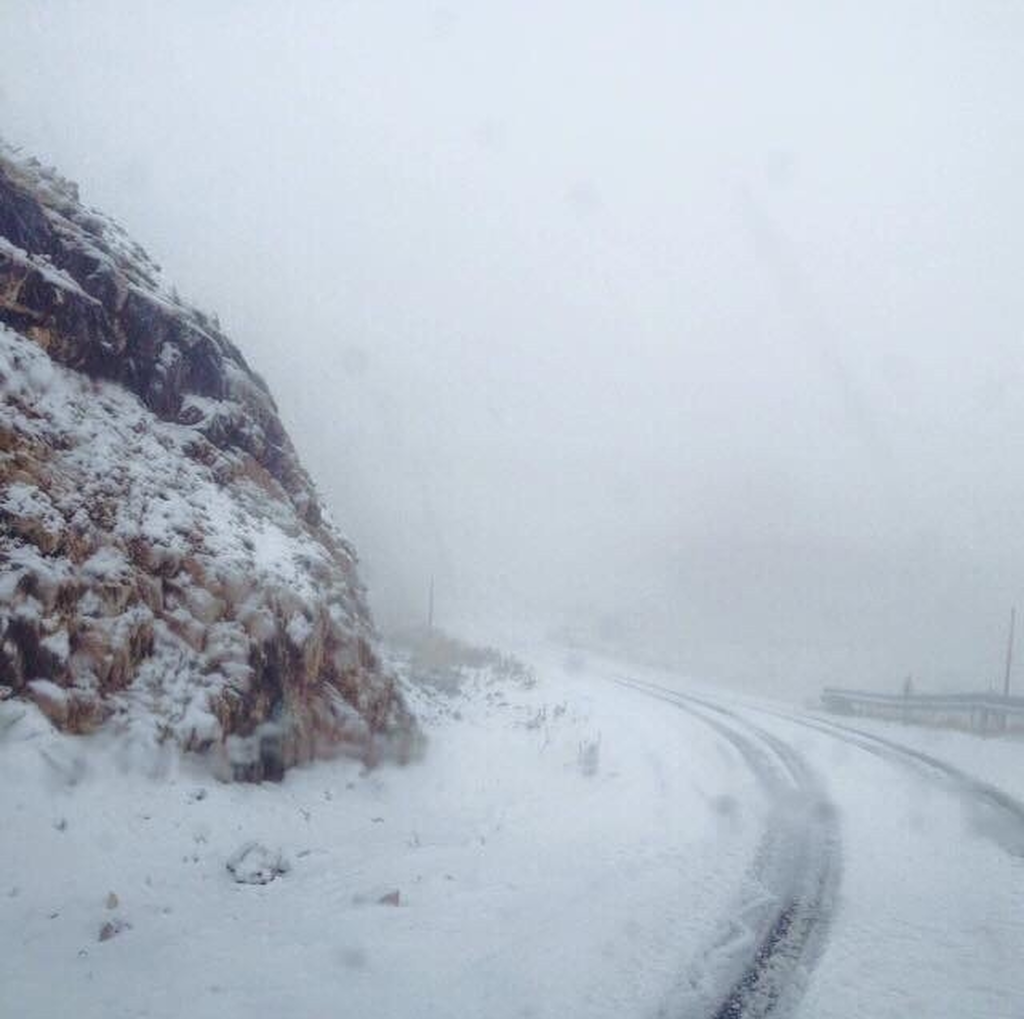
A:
1009,653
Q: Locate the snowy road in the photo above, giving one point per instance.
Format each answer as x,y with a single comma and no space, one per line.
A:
771,937
929,916
711,857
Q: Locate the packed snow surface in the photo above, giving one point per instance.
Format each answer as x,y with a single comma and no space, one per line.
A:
571,847
531,879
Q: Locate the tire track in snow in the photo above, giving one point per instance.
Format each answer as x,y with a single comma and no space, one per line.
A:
759,963
992,812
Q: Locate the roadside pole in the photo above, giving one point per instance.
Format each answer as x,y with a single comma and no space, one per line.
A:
1009,666
1009,652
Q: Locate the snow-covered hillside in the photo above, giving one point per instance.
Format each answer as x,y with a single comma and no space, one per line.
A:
165,566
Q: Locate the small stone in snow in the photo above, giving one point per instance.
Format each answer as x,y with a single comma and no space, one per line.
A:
111,928
254,864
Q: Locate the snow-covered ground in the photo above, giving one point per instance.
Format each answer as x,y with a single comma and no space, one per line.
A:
571,848
531,879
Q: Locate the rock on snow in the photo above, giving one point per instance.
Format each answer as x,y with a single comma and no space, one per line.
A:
255,864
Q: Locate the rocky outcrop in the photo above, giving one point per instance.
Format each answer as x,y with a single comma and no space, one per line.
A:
166,567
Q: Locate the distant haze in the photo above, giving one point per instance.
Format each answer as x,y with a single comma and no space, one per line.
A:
699,326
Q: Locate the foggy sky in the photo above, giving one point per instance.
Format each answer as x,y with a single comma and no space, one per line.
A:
695,324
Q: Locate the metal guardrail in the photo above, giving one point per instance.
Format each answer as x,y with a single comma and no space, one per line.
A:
984,712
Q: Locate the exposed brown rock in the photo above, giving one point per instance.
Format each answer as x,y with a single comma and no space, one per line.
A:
163,553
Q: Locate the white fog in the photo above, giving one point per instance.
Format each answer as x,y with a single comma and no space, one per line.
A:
697,322
677,345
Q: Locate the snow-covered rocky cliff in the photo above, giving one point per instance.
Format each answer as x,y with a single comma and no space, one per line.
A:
166,568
